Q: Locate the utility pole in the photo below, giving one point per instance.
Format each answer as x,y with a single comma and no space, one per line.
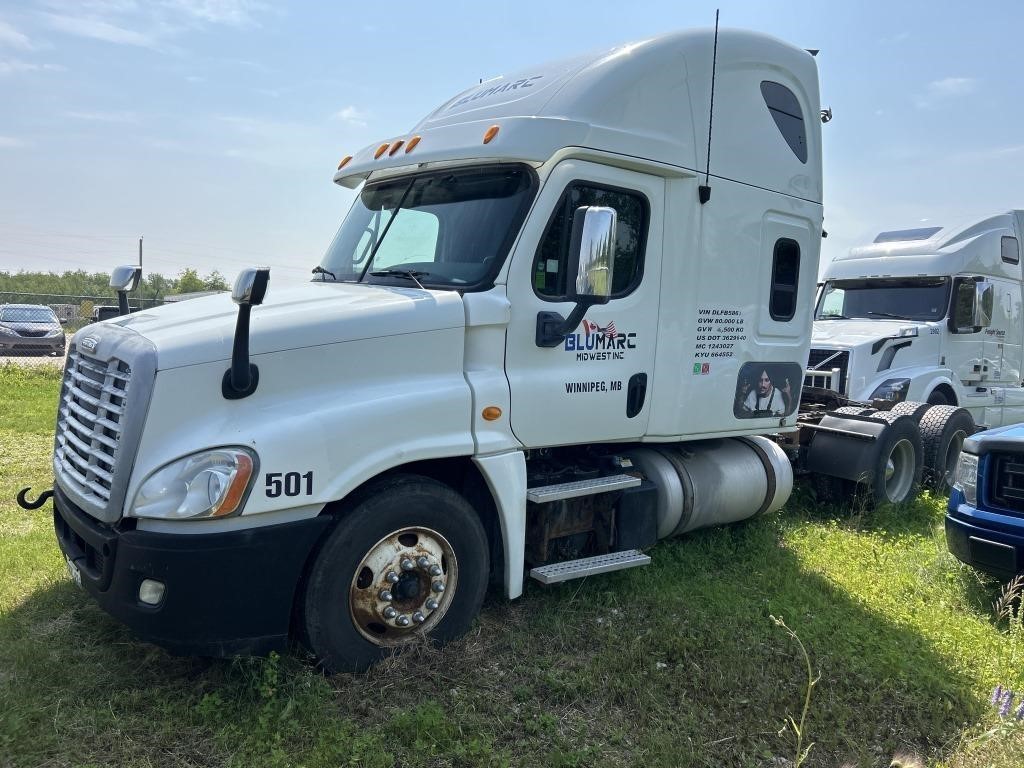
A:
141,292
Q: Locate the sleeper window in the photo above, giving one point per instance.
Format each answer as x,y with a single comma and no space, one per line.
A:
550,263
785,275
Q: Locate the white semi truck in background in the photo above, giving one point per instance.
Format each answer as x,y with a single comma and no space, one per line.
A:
931,314
549,332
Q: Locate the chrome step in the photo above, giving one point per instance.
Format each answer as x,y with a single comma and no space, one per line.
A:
545,493
589,566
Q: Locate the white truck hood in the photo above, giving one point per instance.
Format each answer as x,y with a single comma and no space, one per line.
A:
314,314
846,334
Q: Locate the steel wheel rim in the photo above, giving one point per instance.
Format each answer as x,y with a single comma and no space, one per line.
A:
899,470
956,442
403,586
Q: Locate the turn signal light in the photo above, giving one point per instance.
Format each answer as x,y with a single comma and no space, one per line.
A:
492,413
380,151
490,134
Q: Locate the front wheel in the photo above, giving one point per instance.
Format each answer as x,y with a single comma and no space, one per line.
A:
409,561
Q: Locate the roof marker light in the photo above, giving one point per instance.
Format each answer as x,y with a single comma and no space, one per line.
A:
491,133
395,147
344,161
380,151
412,144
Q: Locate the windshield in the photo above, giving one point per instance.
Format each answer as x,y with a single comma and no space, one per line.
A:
27,315
450,229
895,298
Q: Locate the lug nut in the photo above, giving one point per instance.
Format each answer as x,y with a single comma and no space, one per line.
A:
435,570
407,564
402,621
391,578
422,561
418,617
431,604
437,586
385,596
390,613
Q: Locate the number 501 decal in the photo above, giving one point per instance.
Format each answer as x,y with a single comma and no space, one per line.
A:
289,484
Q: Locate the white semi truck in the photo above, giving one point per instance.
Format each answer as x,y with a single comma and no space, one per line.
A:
931,314
549,332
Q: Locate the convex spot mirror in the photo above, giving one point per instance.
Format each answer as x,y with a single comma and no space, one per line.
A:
972,305
592,254
250,286
125,278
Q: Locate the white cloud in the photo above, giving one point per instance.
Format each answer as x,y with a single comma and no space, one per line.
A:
11,66
12,38
352,116
939,91
105,117
234,13
97,29
10,142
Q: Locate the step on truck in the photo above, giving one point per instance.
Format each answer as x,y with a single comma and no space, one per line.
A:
552,330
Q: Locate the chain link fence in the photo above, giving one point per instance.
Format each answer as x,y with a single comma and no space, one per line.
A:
35,327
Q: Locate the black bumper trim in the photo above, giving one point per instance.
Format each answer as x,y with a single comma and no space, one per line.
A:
226,593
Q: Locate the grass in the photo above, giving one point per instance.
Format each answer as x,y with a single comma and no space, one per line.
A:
677,664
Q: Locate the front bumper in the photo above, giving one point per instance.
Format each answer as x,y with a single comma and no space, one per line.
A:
226,593
32,344
994,549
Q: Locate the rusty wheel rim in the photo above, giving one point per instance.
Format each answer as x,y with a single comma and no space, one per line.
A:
403,586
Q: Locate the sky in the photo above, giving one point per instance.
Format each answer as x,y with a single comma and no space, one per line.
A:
213,127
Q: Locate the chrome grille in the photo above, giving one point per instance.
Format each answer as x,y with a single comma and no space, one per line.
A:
89,424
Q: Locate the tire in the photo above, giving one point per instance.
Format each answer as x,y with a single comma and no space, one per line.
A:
943,429
376,548
896,475
833,490
853,410
938,397
915,410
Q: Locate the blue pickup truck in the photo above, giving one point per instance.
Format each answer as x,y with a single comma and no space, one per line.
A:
985,519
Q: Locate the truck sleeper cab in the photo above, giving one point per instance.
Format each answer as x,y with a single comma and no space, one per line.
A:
526,348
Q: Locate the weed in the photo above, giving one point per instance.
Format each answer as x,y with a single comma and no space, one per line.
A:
812,680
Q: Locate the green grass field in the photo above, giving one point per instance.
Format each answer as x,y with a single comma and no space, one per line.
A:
678,664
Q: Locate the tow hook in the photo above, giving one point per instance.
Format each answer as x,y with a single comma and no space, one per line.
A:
24,503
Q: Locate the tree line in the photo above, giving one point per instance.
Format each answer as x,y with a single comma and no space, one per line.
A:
153,287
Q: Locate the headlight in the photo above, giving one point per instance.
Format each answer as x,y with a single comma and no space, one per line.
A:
892,389
966,477
5,331
58,332
208,484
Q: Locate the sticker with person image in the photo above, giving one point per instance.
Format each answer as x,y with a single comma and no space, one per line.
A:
767,389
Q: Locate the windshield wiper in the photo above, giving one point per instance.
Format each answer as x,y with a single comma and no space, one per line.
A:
833,316
412,274
893,315
318,270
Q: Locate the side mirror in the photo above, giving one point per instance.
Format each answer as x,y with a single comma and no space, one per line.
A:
984,293
591,269
972,305
125,278
592,253
242,378
250,287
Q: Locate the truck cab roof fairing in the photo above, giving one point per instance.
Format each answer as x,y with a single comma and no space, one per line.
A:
648,99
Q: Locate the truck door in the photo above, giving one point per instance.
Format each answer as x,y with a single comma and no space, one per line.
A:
595,385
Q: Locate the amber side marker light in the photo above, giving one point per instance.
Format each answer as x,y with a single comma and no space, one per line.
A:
395,147
236,490
491,133
492,413
344,161
380,150
412,144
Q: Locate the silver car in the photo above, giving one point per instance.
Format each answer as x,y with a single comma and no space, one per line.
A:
30,329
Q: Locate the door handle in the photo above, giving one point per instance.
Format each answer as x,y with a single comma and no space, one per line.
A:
636,393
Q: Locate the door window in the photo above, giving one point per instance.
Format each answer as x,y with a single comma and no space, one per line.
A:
550,263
